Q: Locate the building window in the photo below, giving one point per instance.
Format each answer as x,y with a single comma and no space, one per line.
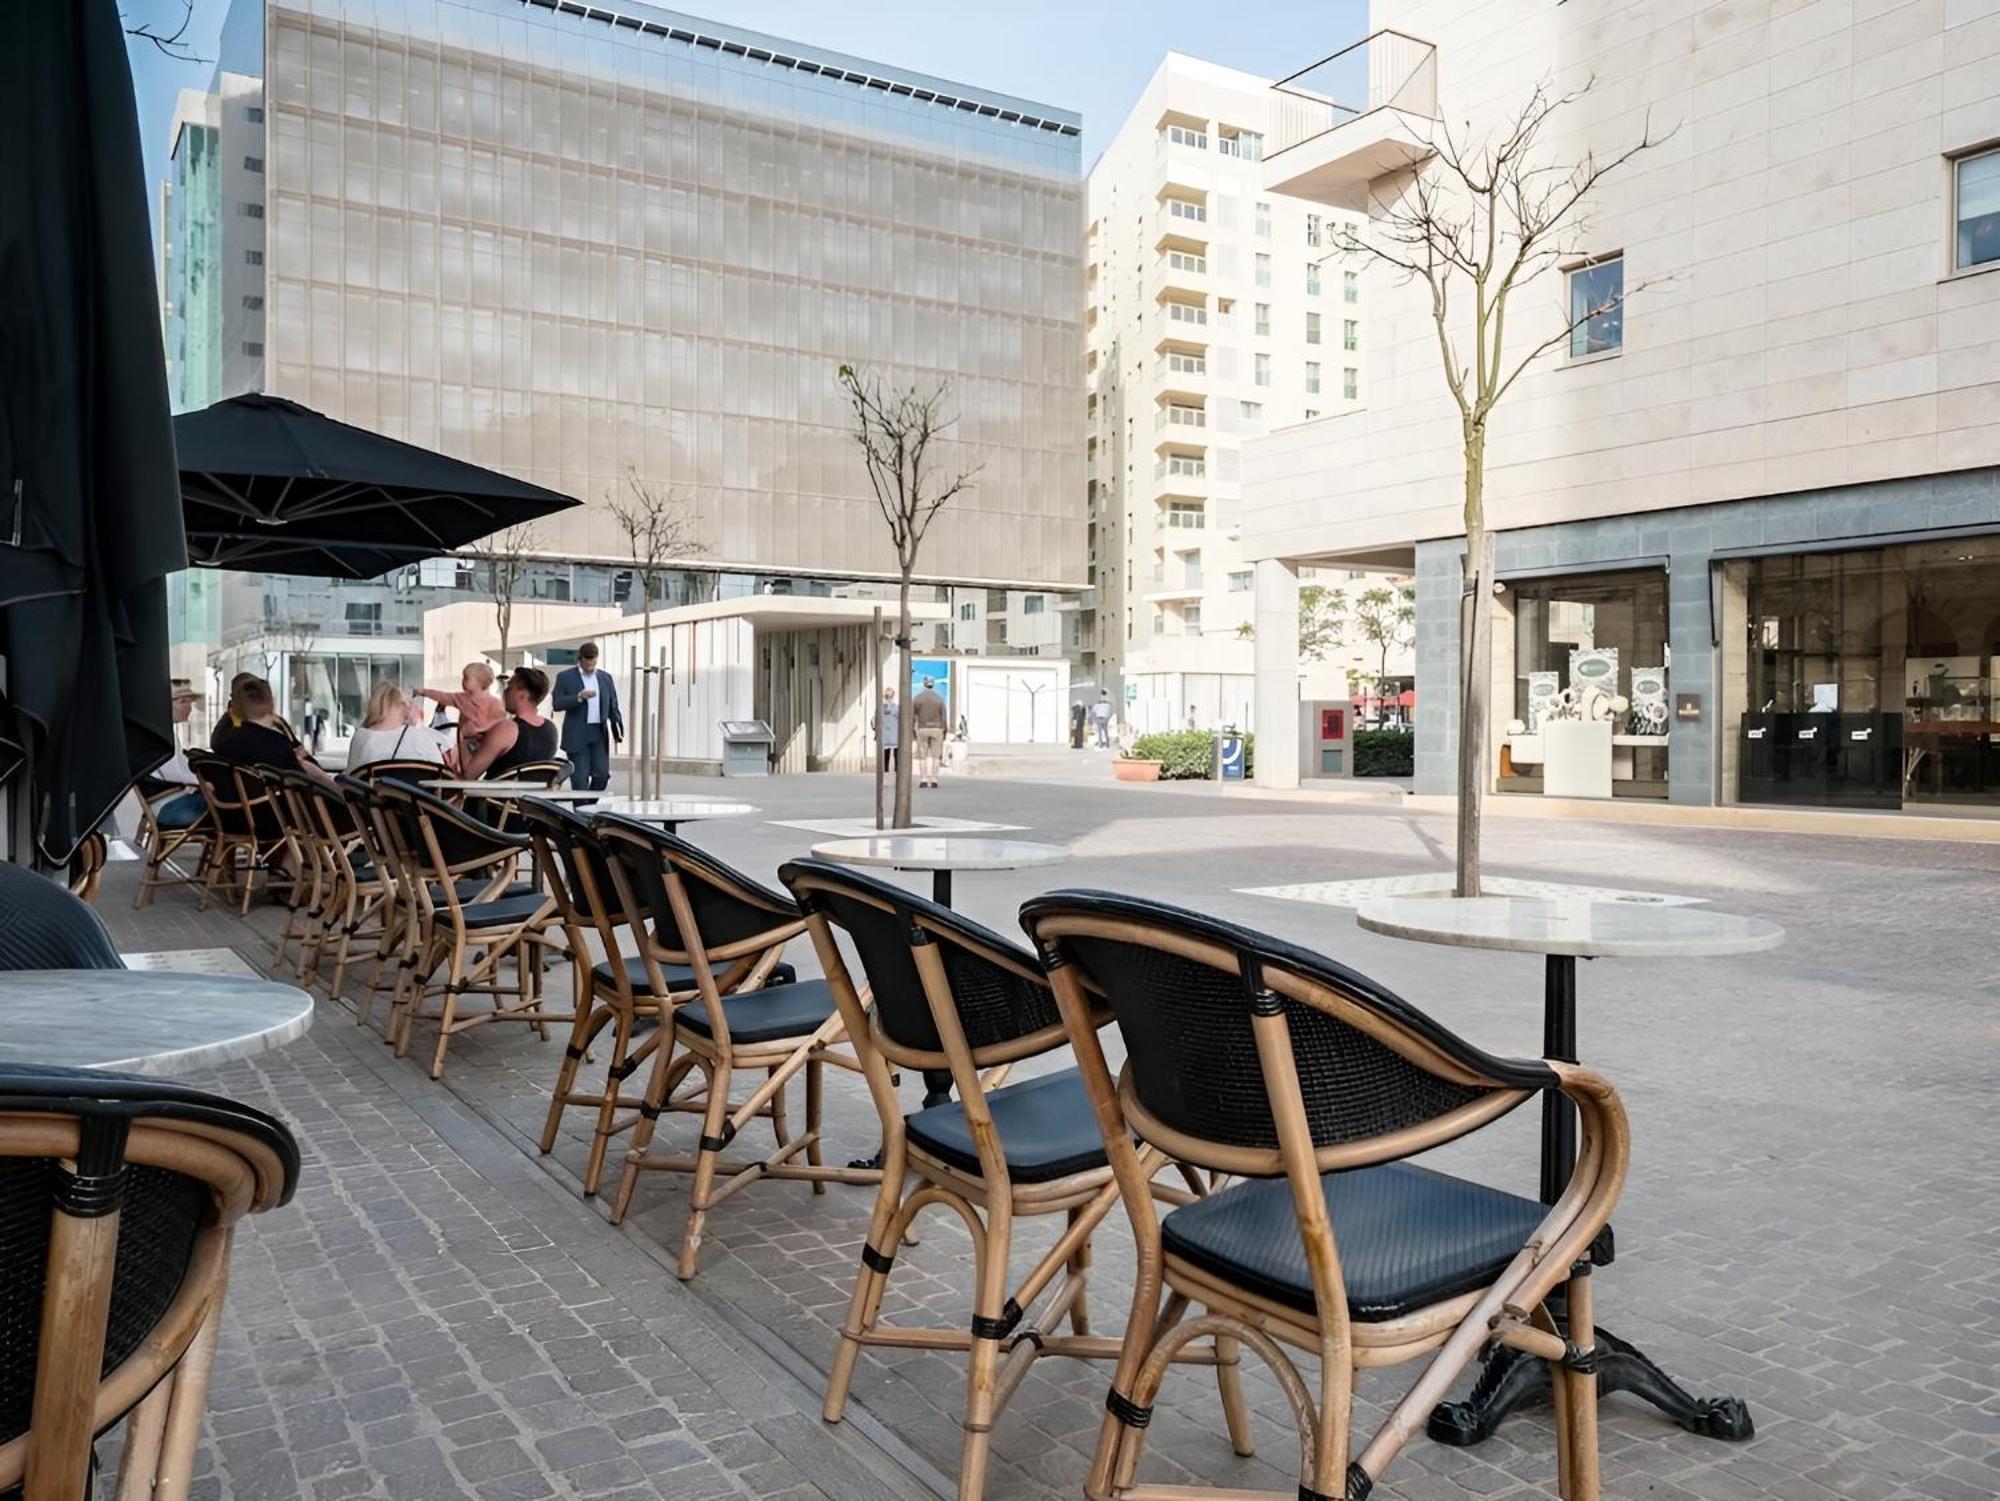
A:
1182,260
1312,377
1312,278
253,304
1315,227
1311,412
1248,144
1264,319
968,611
250,210
253,164
1350,384
1596,307
254,113
1263,376
253,348
1263,221
1350,334
1182,208
253,257
1250,411
1241,580
1350,287
1312,328
1263,269
1192,617
1187,515
1183,135
1031,604
1976,209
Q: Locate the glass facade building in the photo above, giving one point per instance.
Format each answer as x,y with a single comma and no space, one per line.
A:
577,246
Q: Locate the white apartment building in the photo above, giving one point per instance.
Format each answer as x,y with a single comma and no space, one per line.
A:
1770,484
1213,317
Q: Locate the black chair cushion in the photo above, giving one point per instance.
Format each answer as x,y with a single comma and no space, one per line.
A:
678,976
1046,1128
468,891
504,912
1408,1237
766,1015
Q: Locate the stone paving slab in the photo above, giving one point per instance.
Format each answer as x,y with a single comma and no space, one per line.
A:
1810,1224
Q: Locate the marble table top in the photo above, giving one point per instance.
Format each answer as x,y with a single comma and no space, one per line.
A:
669,809
500,788
941,852
144,1021
1578,928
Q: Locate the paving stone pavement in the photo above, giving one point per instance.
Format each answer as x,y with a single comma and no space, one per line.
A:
1810,1222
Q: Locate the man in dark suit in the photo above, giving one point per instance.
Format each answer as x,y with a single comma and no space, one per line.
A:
588,702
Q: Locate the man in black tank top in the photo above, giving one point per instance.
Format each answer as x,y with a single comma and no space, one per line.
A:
521,737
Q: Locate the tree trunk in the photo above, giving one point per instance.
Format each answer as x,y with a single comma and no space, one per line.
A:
643,753
904,730
1476,666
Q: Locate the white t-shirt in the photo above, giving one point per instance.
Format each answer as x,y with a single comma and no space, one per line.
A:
416,742
594,705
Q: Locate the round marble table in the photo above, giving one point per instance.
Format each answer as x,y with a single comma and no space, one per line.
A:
1564,931
669,812
941,854
144,1021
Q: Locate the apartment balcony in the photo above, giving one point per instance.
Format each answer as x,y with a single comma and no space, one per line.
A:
1182,374
1366,111
1186,594
1184,274
1180,224
1180,478
1175,420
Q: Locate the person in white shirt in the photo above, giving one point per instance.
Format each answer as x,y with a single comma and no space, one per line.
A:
393,729
587,699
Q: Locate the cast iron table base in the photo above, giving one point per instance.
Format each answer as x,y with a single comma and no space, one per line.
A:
1509,1378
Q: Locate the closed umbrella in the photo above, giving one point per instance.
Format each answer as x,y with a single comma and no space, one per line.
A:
90,522
270,485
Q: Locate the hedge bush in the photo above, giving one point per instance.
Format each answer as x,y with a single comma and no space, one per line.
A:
1188,755
1384,753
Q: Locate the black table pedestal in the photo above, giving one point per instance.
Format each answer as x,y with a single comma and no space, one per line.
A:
1509,1378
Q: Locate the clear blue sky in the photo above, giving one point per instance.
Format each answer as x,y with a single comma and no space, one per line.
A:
1092,56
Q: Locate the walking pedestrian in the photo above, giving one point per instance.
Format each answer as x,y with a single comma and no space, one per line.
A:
928,719
588,701
1100,714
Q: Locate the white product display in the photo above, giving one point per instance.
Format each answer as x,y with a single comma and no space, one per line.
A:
1649,701
1542,686
1576,758
1593,670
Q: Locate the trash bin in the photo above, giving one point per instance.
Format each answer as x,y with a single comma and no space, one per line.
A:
746,748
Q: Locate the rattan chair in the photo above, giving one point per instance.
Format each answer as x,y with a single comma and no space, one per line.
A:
42,926
162,834
438,846
118,1200
613,991
248,836
314,873
414,772
730,932
86,866
950,995
383,910
1262,1060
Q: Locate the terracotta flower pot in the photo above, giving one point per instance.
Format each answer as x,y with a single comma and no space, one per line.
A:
1127,769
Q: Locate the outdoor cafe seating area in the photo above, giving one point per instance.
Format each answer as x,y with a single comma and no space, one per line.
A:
1246,1104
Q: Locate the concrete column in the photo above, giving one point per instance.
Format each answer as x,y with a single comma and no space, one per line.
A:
1277,659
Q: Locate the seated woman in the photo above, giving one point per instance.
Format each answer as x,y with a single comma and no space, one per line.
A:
393,729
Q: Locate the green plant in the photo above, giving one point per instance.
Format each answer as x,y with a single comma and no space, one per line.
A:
1187,755
1383,753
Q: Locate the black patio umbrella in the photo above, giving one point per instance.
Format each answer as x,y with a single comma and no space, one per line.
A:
90,520
270,485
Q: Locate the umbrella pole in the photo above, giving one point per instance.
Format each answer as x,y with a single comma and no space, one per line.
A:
660,720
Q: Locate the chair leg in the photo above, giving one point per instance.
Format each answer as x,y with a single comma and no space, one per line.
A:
815,1155
868,1283
658,1084
1119,1446
449,1011
702,1194
1229,1383
1078,1268
781,1126
1582,1387
183,1433
139,1460
608,1102
989,1300
581,1030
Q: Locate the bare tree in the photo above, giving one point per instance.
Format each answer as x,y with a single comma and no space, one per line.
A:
509,555
896,428
1481,221
659,528
286,639
1386,618
1320,619
173,44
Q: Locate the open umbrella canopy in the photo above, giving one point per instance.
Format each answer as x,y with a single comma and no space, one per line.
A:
270,485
